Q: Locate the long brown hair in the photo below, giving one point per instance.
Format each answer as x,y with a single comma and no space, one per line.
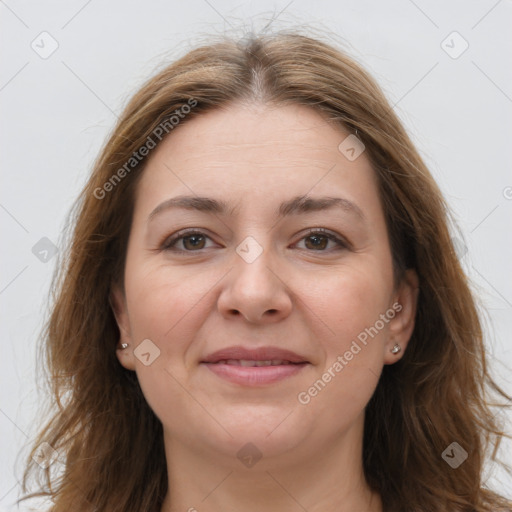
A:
108,439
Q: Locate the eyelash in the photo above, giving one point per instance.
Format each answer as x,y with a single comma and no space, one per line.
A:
168,243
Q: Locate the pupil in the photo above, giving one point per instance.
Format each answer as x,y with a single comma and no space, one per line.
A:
194,239
319,241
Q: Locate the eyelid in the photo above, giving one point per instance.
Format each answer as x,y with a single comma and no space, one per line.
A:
175,237
168,241
342,242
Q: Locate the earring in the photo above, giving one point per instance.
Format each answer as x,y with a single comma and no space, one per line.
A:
396,349
122,346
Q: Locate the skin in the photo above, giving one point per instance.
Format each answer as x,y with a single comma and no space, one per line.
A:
314,301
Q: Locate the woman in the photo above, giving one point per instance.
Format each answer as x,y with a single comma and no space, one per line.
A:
261,308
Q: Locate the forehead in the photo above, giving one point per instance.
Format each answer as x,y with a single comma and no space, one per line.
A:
257,151
243,131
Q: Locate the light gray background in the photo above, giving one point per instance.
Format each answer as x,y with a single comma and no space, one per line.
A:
57,111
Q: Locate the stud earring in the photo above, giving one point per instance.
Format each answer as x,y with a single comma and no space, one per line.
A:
122,346
396,349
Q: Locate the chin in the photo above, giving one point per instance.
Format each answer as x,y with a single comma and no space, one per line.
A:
265,429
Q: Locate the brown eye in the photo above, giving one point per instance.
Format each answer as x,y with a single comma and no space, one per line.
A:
318,241
193,241
188,241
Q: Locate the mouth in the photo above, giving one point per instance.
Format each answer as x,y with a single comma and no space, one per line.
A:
251,363
254,367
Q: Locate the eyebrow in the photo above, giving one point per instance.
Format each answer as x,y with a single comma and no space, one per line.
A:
295,206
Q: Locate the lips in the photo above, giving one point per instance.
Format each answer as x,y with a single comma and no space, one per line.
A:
263,356
249,362
254,367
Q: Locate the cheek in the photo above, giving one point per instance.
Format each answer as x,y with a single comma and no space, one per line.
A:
169,305
347,302
161,300
349,306
165,305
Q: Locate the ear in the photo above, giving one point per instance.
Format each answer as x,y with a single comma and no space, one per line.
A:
402,325
117,301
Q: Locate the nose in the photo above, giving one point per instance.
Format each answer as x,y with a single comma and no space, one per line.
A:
256,291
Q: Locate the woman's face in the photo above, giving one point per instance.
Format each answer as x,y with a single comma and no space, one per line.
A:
277,251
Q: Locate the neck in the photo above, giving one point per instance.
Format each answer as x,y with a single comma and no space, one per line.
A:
331,479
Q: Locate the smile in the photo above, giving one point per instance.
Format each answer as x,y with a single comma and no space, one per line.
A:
251,373
249,362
